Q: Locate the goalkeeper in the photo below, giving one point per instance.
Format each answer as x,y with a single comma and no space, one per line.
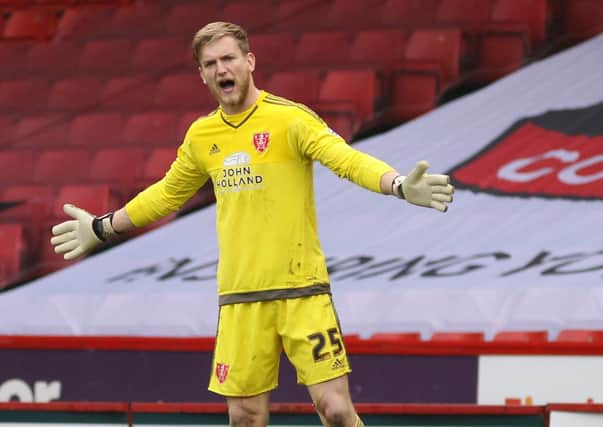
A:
258,150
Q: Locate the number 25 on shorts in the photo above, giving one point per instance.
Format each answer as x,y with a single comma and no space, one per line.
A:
321,340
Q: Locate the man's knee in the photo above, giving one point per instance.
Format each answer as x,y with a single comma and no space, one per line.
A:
247,412
337,410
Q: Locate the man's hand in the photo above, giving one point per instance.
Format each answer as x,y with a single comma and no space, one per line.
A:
419,188
79,236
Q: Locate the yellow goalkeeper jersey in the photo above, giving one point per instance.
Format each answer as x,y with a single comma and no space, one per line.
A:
261,165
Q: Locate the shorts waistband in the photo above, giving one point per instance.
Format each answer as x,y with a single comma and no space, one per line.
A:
273,294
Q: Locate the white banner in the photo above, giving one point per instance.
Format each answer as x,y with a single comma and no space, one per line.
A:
520,247
540,380
575,419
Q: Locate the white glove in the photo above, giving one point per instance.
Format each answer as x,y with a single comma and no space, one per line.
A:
419,188
82,234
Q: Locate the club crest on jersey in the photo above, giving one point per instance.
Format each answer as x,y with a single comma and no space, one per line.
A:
222,372
261,141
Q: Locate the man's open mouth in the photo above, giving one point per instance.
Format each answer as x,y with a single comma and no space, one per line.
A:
226,84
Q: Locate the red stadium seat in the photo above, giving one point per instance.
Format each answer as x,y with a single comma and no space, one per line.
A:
582,18
354,14
323,48
80,22
62,166
138,19
12,252
96,199
187,18
522,336
23,95
158,163
184,91
74,94
120,166
13,58
153,128
127,94
530,16
154,55
301,15
96,129
413,94
272,50
360,87
7,127
106,56
41,131
36,202
378,47
458,337
47,260
469,14
299,86
16,166
54,59
257,15
409,13
580,336
437,50
31,23
500,53
261,77
340,117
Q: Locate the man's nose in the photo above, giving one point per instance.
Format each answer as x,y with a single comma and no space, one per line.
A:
220,67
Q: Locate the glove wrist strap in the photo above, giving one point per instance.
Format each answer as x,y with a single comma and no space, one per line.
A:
397,187
102,226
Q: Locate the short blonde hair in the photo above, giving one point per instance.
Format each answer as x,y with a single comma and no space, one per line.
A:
217,30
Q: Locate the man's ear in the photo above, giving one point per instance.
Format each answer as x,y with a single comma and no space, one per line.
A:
251,61
201,74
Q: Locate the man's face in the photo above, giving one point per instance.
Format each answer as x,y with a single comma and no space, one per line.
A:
227,72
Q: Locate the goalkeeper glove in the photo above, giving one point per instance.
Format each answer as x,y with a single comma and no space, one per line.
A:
79,236
419,188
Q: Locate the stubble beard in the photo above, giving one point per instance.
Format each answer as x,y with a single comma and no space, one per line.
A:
237,99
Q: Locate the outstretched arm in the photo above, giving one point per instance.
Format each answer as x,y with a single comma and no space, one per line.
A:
317,142
85,231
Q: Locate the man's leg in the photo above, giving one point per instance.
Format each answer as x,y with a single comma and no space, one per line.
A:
334,404
246,361
249,411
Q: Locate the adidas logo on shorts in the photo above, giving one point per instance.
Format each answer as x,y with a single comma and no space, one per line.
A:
337,364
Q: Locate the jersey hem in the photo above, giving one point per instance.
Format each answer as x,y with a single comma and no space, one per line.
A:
328,378
226,394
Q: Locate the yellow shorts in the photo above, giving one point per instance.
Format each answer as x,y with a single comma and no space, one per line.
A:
252,335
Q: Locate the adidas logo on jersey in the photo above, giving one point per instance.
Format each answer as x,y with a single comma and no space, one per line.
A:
337,364
214,149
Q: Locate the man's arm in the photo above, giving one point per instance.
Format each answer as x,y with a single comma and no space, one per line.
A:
121,221
418,188
85,231
387,181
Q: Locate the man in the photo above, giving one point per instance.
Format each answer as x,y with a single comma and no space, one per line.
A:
258,150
